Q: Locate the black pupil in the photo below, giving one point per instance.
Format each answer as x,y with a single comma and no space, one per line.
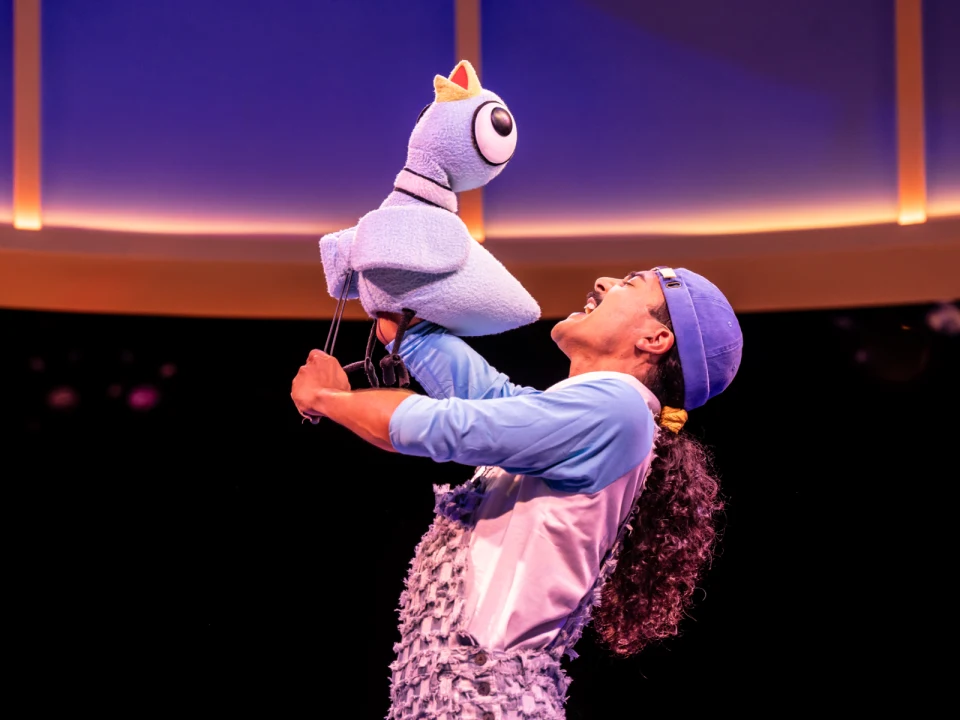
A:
502,122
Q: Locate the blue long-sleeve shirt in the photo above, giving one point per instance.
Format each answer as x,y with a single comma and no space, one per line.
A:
563,468
577,437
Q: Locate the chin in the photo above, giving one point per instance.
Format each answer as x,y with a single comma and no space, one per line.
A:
560,333
556,332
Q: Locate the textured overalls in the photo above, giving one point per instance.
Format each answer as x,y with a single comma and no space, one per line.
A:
440,671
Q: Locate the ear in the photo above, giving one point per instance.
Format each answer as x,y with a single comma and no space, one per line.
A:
656,340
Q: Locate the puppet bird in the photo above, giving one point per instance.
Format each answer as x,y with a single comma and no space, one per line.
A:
413,255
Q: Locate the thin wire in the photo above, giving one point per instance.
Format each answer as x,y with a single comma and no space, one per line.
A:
333,331
337,315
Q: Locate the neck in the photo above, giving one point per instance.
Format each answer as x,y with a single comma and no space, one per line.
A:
425,189
583,364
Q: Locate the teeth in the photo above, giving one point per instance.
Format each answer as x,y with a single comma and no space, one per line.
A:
590,306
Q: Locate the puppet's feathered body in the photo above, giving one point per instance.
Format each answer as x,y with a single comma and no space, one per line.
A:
414,252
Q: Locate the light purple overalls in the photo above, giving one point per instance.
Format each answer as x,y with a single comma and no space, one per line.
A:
440,671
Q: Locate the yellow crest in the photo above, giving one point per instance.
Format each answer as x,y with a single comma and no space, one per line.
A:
463,83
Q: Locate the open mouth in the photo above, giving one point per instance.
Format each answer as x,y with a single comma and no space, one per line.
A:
592,304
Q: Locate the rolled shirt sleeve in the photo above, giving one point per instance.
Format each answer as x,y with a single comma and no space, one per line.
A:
579,438
446,366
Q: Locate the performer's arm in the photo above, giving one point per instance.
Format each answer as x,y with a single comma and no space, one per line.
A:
447,367
366,413
579,438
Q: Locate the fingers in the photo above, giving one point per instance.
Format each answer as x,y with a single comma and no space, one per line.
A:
316,355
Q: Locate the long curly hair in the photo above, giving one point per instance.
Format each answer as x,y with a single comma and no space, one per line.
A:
674,533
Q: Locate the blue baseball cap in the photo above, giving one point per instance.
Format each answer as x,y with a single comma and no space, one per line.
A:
707,333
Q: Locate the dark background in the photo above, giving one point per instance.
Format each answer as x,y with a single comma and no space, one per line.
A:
210,542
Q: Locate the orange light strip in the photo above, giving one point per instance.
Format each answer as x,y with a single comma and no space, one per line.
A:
819,269
910,129
158,223
26,115
945,206
677,221
467,45
692,221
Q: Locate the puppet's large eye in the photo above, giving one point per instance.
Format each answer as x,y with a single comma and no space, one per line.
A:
494,132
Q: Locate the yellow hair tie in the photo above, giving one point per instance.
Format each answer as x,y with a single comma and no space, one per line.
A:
672,419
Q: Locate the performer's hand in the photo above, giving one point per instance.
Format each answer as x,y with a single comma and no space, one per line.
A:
322,372
387,326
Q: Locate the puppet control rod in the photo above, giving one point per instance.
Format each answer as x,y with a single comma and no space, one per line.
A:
392,365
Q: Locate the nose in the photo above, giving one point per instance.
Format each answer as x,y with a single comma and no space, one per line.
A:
604,284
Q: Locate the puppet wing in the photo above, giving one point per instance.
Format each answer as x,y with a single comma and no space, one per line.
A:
335,256
418,239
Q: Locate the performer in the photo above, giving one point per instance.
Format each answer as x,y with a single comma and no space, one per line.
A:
589,500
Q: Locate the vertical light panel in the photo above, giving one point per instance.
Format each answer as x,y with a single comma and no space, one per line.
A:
26,114
910,122
467,24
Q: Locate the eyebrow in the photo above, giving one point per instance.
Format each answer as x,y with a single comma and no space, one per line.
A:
636,274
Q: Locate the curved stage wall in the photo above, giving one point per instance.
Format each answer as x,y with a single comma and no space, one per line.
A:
177,159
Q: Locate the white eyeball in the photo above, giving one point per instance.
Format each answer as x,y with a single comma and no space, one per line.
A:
494,132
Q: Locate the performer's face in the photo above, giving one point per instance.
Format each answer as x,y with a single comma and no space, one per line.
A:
616,320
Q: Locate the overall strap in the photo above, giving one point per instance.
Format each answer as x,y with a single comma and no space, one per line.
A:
572,628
